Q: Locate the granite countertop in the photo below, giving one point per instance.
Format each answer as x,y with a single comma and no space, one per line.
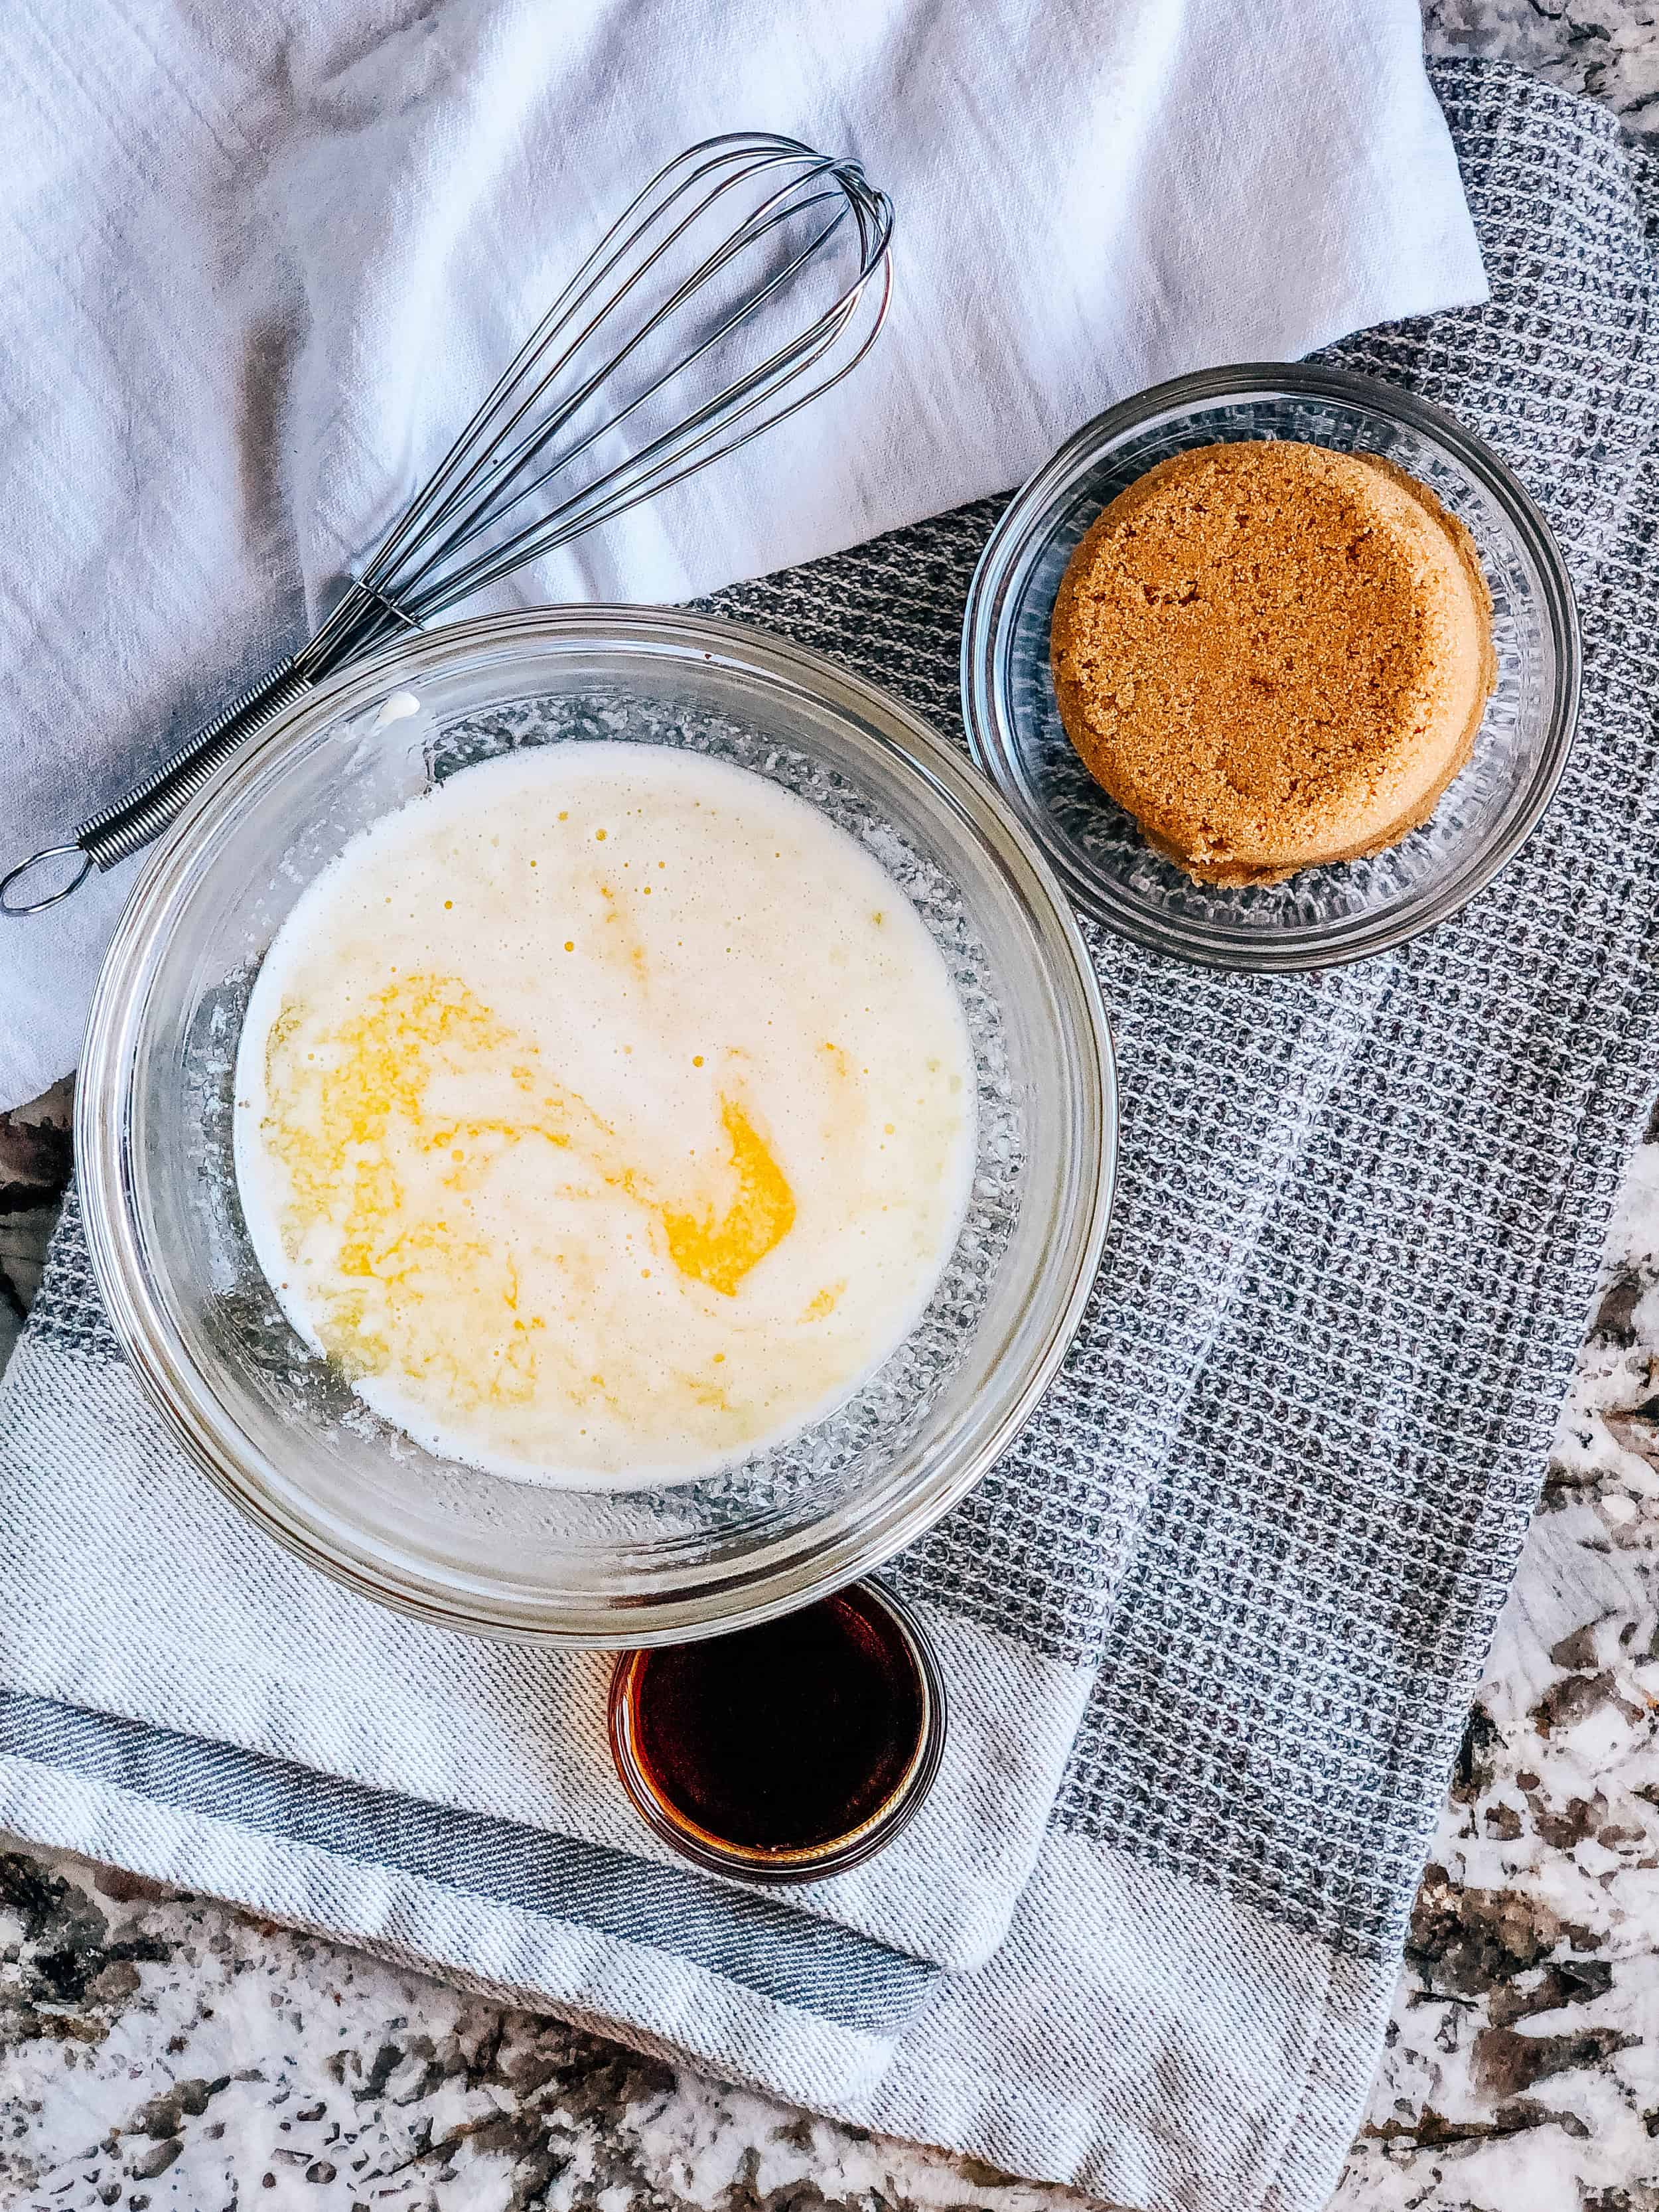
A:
161,2050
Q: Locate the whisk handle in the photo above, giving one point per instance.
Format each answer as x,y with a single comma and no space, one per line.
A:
103,839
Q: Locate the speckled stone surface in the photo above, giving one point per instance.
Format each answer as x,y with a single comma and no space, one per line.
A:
1607,48
160,2050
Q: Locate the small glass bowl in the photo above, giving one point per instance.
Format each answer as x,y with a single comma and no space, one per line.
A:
829,1855
276,1427
1323,915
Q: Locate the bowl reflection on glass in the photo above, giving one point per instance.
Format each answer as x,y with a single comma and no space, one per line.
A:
279,1429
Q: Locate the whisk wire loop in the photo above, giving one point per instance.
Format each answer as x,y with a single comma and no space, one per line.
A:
455,480
490,489
639,476
490,505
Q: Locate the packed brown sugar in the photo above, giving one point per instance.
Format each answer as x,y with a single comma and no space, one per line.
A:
1274,656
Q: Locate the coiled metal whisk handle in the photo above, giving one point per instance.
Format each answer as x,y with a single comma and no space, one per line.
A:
105,838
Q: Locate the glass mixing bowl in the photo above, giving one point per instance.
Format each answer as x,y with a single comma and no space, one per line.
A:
1323,915
277,1428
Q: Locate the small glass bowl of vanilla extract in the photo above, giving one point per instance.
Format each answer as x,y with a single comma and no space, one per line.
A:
786,1752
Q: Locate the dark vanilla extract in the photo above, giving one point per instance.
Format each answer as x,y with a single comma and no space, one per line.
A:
785,1738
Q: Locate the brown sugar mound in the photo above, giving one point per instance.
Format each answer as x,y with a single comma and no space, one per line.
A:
1274,656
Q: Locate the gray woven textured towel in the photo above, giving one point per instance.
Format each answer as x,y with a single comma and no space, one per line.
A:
1212,1628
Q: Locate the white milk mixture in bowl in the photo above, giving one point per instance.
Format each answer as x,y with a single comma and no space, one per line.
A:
606,1114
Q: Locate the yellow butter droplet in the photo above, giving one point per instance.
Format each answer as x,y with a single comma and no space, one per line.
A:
720,1249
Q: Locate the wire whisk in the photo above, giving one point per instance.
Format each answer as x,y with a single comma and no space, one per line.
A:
750,266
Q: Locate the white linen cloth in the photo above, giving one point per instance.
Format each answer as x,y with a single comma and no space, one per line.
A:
262,261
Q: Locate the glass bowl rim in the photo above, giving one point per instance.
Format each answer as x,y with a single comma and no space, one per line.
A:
1028,518
741,1596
